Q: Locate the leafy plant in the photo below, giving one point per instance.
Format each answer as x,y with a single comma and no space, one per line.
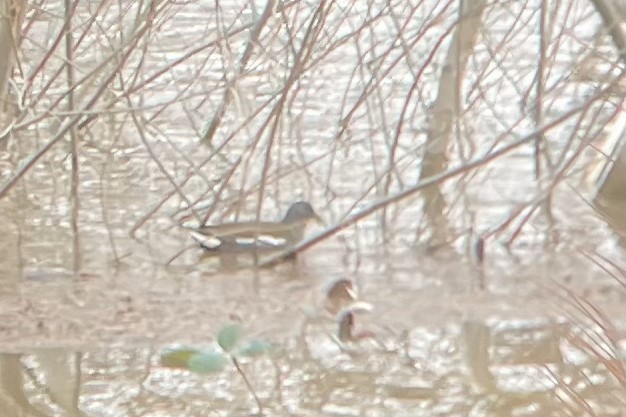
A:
216,359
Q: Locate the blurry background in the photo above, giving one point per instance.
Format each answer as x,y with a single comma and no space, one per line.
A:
466,157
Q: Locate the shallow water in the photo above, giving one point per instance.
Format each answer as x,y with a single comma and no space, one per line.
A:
522,334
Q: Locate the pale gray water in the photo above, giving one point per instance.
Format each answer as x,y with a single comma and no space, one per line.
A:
459,340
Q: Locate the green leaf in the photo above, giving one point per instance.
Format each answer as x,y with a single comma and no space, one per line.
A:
255,348
177,357
208,362
228,336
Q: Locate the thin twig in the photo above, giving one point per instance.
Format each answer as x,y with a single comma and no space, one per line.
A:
248,384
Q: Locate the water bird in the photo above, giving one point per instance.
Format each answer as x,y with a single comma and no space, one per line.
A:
339,294
346,320
258,235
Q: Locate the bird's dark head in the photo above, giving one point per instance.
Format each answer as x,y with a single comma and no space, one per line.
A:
301,211
339,294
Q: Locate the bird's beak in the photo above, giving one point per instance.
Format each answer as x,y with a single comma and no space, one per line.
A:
351,293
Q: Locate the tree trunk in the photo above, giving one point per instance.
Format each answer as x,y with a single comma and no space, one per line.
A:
11,18
445,111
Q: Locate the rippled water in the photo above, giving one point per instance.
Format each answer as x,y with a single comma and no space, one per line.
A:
518,335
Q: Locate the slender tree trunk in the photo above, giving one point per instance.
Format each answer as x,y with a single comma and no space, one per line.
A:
446,109
11,18
613,12
606,177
